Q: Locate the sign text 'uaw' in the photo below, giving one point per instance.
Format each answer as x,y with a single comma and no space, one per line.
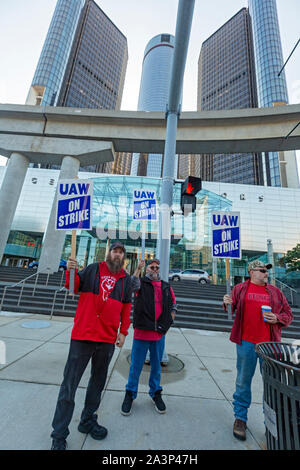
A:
74,204
144,204
226,241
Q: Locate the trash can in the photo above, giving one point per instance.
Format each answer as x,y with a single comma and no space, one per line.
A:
281,379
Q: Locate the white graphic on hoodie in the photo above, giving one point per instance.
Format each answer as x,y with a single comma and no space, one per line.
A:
107,285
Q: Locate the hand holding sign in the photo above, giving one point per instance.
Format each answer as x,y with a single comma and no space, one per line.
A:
71,264
227,299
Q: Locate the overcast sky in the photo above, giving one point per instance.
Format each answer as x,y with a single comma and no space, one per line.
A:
24,25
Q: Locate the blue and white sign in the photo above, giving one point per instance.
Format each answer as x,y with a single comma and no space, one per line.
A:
226,241
74,204
144,204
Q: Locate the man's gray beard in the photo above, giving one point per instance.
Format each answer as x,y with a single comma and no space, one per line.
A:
153,277
114,266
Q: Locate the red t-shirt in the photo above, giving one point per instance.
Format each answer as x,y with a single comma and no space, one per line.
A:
149,335
255,329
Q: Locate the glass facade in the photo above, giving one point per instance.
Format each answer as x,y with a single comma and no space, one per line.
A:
113,218
269,61
83,63
226,80
264,211
56,50
154,92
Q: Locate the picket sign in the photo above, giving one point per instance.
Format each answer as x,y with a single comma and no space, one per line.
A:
226,242
74,211
144,208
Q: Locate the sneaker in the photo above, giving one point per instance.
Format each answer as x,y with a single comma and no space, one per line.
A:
93,428
164,364
127,403
239,429
147,362
159,404
59,444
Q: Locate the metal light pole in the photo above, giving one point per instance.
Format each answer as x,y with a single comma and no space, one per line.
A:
182,36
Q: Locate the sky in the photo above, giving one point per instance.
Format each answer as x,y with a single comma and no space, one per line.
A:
24,25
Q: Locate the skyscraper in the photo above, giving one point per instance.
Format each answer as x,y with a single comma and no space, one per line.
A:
272,89
154,94
83,61
226,80
49,74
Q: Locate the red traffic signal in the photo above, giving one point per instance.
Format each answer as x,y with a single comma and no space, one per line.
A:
192,185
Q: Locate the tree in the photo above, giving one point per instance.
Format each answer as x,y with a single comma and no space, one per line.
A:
292,259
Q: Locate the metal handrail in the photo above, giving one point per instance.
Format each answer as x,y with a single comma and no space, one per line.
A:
64,303
286,286
54,299
23,281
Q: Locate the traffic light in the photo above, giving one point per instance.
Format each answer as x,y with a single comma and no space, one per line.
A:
189,188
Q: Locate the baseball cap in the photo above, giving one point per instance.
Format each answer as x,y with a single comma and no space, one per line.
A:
155,260
117,244
258,264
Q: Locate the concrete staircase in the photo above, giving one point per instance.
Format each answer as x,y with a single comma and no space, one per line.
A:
199,307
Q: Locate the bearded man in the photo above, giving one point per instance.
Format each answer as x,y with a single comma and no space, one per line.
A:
101,322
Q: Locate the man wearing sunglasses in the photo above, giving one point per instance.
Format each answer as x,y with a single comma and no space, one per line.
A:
251,327
154,312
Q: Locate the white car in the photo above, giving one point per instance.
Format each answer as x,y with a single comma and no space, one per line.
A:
191,275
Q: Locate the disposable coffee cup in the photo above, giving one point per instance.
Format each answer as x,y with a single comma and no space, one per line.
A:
265,308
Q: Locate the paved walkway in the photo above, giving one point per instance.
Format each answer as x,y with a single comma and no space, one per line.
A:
198,386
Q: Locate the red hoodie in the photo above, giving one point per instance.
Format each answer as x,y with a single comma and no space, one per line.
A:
104,304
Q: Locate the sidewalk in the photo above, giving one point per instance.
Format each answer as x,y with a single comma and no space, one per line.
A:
198,386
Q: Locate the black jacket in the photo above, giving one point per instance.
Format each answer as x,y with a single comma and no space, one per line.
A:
144,307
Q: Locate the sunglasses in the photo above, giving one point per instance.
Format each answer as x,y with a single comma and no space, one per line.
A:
154,268
261,270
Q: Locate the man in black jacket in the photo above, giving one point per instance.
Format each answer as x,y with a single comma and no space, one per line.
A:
154,312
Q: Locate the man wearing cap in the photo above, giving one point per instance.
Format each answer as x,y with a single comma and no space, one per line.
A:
101,322
154,312
251,327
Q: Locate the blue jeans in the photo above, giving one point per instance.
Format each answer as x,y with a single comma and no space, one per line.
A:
138,356
246,365
165,357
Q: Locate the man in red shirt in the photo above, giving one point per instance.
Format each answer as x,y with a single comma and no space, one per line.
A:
101,322
251,327
154,312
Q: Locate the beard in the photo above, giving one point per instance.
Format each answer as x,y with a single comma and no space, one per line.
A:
116,265
154,276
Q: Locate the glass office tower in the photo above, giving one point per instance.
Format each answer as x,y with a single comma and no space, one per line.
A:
82,64
226,80
95,73
49,74
154,94
271,88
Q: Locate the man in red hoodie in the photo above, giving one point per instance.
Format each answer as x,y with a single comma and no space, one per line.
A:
101,322
251,327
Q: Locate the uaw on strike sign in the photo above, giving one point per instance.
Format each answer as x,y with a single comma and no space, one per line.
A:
74,204
144,204
226,235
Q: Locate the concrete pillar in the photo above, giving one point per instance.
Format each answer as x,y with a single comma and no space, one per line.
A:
54,239
9,194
